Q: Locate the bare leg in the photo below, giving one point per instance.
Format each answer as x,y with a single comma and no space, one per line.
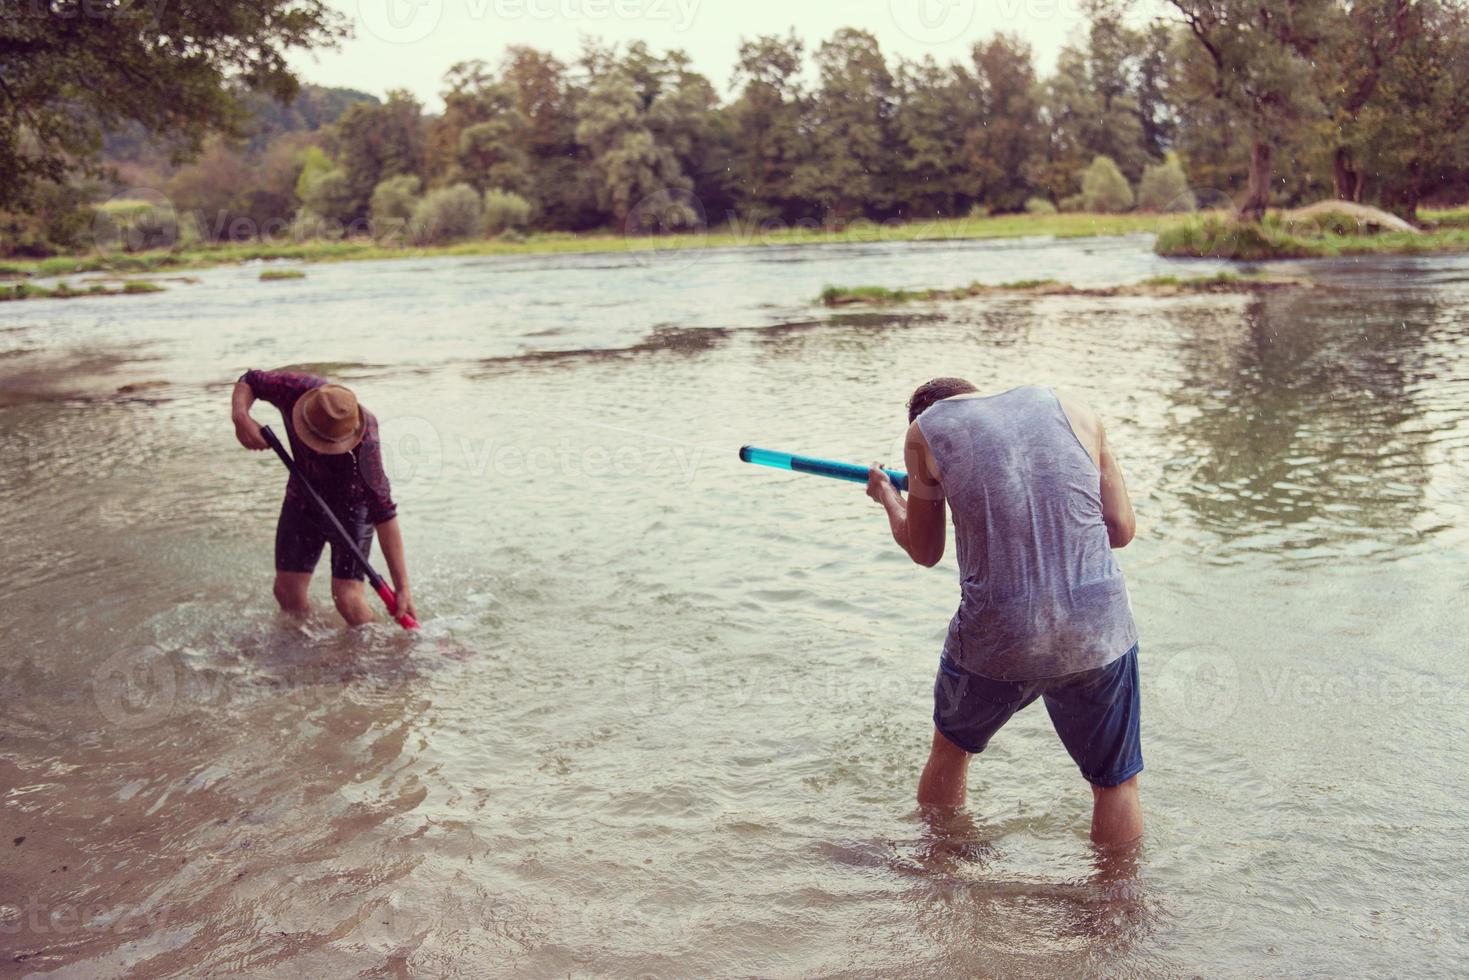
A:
291,591
943,780
351,600
1117,814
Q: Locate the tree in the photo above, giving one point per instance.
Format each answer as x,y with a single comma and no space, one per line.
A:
765,124
849,172
1362,46
560,193
1257,59
374,142
1071,112
643,124
214,191
481,137
1414,128
937,107
1003,150
70,70
1156,111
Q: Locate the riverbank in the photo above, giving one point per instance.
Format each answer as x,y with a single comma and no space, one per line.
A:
1281,236
953,229
1207,235
1224,282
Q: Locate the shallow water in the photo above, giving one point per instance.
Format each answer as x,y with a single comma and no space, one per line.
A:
667,712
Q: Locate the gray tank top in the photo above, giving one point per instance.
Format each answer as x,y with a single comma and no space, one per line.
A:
1040,593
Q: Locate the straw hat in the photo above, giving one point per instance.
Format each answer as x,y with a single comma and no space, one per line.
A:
329,420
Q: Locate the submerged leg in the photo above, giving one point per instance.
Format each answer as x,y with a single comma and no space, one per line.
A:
944,777
1117,814
291,591
351,599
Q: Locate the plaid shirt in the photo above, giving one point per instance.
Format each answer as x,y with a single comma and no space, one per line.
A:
348,482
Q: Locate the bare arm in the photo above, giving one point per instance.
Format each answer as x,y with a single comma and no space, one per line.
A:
390,538
920,523
247,430
1116,506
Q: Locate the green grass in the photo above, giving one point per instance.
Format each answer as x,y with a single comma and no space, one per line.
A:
1441,218
726,236
63,290
1157,286
274,275
1029,284
1215,236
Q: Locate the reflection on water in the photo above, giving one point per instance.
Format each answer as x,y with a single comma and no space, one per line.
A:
1307,421
667,714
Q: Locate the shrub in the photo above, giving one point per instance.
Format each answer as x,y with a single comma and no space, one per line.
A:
505,211
1039,205
1165,188
393,201
328,193
1226,238
446,214
1103,188
313,163
1072,203
58,220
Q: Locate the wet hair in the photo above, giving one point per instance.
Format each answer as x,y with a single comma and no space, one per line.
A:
935,391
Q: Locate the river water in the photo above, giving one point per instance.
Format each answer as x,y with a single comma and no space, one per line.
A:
667,712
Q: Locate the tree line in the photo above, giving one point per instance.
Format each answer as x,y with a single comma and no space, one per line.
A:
1252,102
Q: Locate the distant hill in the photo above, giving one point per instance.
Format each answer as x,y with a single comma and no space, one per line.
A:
315,106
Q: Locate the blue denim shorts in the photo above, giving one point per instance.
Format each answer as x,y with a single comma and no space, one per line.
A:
1095,712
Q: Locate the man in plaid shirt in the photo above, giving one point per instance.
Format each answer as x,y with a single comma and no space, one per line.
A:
335,443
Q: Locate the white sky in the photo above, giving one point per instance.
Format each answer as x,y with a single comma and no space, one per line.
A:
411,43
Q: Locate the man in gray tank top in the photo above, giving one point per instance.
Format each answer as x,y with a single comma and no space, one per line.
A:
1039,503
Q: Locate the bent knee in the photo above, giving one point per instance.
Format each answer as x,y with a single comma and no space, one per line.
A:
350,599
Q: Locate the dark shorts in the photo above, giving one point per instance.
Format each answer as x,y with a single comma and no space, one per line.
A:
301,533
1094,712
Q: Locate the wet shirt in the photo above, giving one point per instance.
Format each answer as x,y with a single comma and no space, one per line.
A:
1041,594
350,483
